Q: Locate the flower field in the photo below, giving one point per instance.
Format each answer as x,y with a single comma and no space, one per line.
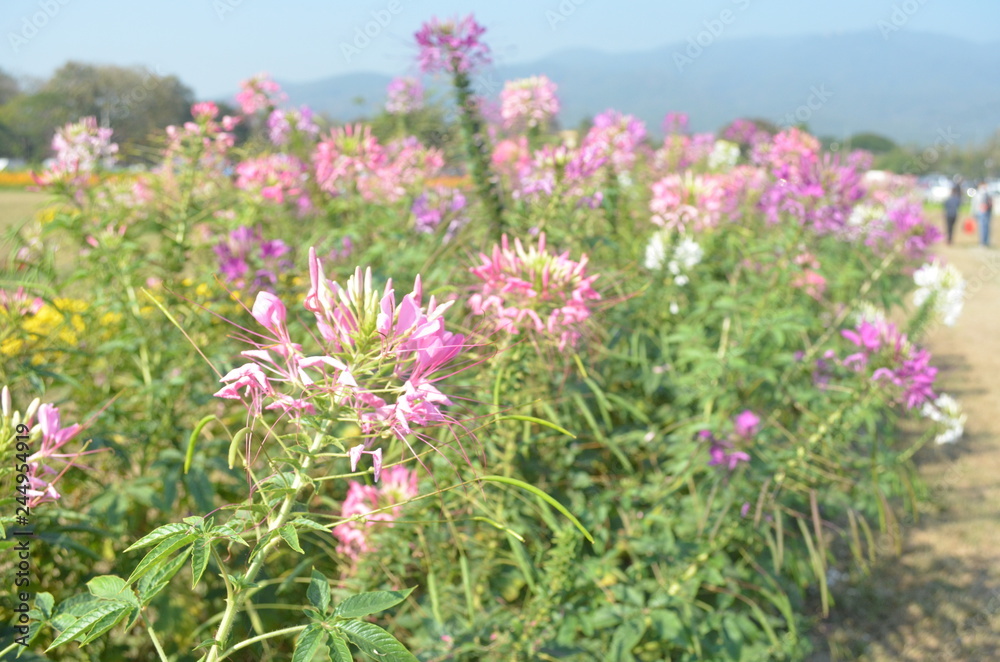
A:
334,393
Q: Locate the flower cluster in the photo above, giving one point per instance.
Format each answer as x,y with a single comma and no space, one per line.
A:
18,303
80,148
674,122
282,123
561,171
683,257
379,359
532,289
437,205
259,93
367,505
203,144
452,46
896,360
275,178
405,95
948,414
43,465
722,452
528,101
724,155
244,252
809,280
694,201
617,137
945,285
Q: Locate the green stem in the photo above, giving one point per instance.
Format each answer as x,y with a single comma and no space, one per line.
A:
156,641
262,637
234,601
479,152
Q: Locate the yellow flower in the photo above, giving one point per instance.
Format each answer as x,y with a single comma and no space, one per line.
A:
203,290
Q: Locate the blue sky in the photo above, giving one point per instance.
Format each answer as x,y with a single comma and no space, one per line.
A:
213,44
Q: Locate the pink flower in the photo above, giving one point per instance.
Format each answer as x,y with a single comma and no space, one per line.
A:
617,137
746,424
206,110
259,93
399,485
452,46
406,95
528,101
897,362
531,289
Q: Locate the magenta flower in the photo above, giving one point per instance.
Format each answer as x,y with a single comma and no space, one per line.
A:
746,424
617,137
452,46
275,178
282,124
528,102
896,361
721,453
530,289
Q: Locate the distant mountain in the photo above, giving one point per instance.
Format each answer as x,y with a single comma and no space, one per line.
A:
912,87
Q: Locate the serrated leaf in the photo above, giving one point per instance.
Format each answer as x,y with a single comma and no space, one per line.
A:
44,603
376,642
110,587
200,552
158,534
159,553
306,523
83,623
291,536
157,580
339,652
309,642
197,521
319,591
105,624
365,604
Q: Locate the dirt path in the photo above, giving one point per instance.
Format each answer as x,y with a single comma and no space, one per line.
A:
940,600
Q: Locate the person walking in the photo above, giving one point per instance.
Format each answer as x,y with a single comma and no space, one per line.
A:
951,207
984,213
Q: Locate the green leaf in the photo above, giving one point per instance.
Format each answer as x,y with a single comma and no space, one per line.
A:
291,536
306,523
544,497
539,421
156,535
157,580
339,652
365,604
110,587
309,642
160,553
44,603
83,623
106,623
627,636
319,591
200,552
376,642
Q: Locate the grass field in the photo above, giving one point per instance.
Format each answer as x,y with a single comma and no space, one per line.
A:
18,206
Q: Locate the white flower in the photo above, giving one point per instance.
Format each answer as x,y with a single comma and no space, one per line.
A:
724,155
656,252
688,253
863,215
948,413
674,308
869,312
947,287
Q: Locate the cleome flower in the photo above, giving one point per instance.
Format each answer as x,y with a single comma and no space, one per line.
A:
404,95
452,46
944,284
895,360
51,459
534,290
378,362
529,101
948,414
399,484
